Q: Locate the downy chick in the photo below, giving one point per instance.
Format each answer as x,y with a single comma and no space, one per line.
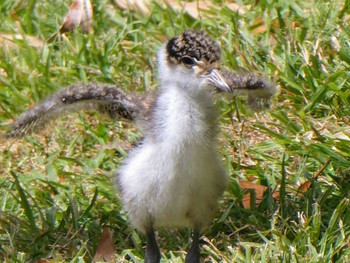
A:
175,177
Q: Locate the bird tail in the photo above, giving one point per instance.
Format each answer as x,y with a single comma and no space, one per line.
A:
104,98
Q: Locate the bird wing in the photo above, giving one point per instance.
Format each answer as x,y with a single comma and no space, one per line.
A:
259,90
105,98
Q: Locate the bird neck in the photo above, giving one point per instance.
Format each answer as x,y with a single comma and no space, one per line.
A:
181,118
183,112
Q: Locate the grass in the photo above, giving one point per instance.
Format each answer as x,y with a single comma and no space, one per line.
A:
56,191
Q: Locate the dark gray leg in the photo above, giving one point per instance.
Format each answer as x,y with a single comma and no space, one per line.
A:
193,254
152,249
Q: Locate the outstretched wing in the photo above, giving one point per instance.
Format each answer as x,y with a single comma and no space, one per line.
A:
258,89
93,96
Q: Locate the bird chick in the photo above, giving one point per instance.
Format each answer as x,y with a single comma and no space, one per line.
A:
175,177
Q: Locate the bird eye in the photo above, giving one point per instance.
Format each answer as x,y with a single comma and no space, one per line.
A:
187,61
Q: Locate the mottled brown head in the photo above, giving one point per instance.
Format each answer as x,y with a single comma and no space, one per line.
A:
193,44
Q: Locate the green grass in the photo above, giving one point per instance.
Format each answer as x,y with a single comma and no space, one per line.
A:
56,192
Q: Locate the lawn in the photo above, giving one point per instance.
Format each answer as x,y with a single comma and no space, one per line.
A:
56,186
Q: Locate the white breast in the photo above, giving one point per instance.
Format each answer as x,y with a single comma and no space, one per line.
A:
176,177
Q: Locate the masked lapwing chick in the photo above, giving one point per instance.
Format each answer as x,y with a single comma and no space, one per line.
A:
175,177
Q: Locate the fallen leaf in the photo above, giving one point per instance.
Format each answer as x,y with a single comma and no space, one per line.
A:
259,26
259,193
11,41
139,6
105,249
192,8
276,194
342,136
79,14
161,37
305,186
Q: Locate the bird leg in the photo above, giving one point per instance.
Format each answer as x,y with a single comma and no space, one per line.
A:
193,254
152,249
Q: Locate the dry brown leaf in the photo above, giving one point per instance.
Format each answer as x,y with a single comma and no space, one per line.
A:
261,27
10,41
79,14
342,136
192,8
162,37
140,6
305,186
259,193
276,194
105,249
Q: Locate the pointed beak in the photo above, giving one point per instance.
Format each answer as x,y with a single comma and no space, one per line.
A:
215,79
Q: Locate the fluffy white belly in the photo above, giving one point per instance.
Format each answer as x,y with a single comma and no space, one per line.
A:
175,178
184,191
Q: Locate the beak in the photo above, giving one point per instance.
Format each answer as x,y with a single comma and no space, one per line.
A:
215,78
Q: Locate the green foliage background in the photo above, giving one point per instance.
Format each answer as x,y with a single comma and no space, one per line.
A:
56,190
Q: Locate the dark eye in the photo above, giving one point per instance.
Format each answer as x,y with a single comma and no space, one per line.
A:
187,61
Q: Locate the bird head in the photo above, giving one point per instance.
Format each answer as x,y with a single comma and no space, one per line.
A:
192,60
